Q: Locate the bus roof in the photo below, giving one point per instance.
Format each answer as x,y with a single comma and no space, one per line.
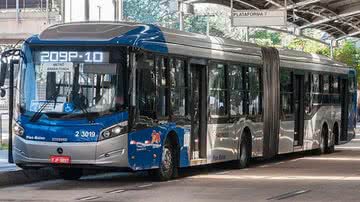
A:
164,40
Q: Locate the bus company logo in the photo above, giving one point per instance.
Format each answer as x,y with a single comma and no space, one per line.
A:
155,137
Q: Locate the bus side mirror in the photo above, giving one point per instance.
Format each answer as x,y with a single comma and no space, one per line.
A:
3,71
2,93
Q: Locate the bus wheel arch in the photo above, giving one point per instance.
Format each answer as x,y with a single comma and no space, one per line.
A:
245,149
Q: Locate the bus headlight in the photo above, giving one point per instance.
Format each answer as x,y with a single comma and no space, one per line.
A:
18,130
113,131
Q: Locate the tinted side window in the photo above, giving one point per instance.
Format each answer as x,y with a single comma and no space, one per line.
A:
237,99
286,93
307,98
315,87
255,91
335,90
178,87
217,90
163,81
326,89
146,85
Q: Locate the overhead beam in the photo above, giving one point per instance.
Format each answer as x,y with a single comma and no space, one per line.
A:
348,35
325,20
295,5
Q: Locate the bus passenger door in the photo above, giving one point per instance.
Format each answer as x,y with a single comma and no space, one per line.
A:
299,95
344,109
198,112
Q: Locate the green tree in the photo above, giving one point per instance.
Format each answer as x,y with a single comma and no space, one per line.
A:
348,54
266,38
150,12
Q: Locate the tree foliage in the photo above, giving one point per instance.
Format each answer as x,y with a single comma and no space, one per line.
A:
158,12
266,38
149,11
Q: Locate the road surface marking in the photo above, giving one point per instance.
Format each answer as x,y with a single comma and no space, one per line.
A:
279,178
289,195
145,185
347,148
331,158
88,198
223,173
115,191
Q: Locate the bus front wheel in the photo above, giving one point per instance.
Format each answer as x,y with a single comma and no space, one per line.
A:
167,169
70,173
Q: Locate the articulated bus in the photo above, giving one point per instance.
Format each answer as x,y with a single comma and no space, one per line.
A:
139,97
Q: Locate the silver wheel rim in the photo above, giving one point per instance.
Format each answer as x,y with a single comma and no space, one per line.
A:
243,154
322,143
166,159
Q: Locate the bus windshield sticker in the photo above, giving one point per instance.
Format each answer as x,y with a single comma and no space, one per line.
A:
61,67
50,107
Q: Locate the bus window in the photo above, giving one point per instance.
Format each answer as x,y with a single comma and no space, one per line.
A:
334,90
326,89
163,91
217,90
146,86
315,88
237,90
178,87
307,100
255,102
287,93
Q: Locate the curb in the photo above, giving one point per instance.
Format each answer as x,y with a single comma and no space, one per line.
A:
10,178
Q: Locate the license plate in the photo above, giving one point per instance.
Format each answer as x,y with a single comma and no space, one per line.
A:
60,159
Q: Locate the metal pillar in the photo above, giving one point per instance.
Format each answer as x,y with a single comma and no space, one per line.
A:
232,11
121,10
87,10
247,34
63,11
47,11
208,26
99,7
181,16
70,7
11,109
331,49
17,10
118,10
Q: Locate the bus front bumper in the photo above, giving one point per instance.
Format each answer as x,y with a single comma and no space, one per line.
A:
107,153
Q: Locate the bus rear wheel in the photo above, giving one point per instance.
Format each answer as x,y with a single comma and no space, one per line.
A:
323,142
70,173
167,169
245,154
331,149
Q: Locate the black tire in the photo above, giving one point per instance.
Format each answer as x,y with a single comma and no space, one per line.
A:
331,149
168,167
70,173
245,154
323,141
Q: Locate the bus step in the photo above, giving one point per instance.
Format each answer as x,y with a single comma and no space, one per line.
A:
195,162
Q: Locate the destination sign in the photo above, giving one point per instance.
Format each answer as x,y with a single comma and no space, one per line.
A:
72,56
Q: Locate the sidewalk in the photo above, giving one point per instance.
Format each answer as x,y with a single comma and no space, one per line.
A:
4,165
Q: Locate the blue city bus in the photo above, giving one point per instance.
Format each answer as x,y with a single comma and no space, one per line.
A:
116,95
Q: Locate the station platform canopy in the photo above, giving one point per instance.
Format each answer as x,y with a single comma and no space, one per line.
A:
339,18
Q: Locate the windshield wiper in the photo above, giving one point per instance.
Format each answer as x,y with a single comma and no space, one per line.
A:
53,97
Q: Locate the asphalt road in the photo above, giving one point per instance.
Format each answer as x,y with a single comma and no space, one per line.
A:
298,177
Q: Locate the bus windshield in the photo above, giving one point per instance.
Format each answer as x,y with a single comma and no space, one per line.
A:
62,83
